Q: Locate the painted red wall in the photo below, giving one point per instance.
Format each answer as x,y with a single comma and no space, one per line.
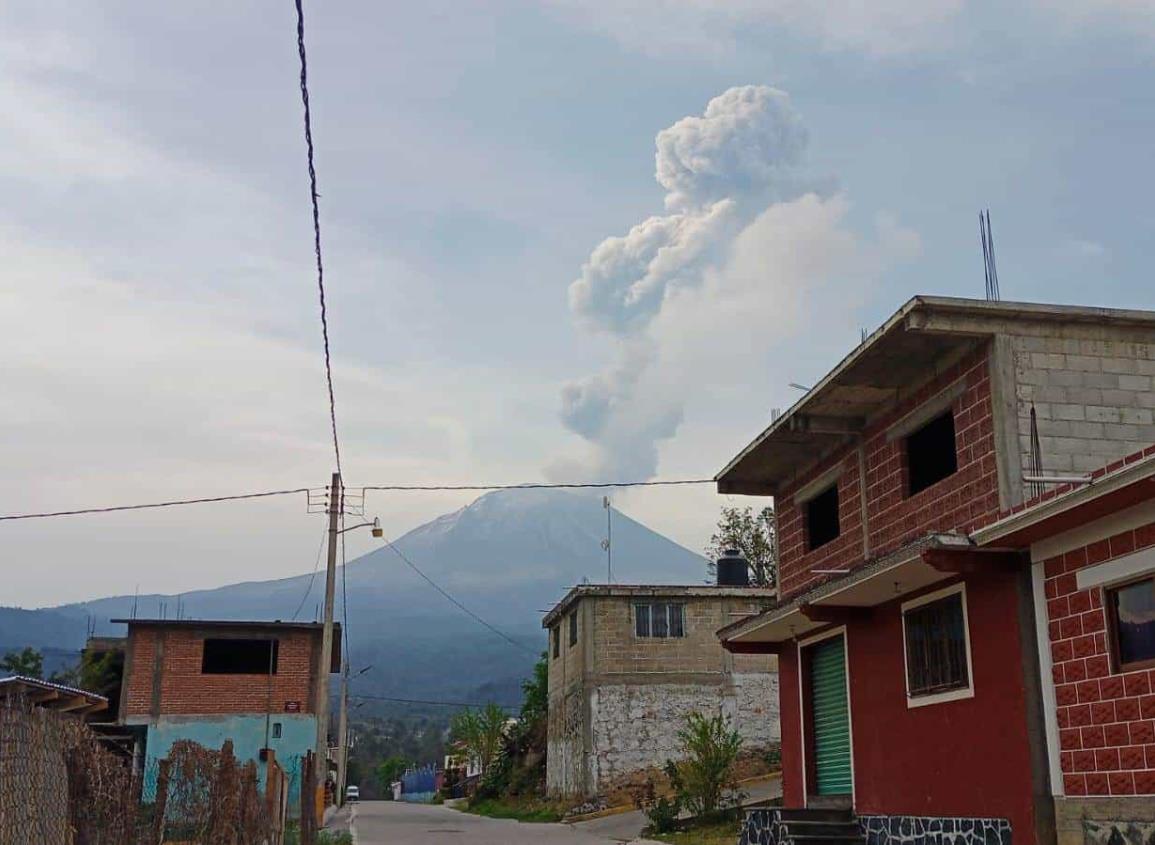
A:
954,758
1106,719
957,502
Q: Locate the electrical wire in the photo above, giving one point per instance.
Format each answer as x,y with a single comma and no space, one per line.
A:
316,225
540,485
402,488
460,606
313,576
426,701
169,504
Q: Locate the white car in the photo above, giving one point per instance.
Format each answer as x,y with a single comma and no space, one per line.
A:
352,793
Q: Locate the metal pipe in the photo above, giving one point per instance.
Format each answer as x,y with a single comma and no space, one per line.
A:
1057,479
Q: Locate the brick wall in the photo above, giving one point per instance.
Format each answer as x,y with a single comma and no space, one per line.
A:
893,517
1093,393
185,690
1106,719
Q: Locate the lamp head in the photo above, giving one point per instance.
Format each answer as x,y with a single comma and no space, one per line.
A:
376,530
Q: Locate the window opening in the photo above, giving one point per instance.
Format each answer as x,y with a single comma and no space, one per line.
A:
936,647
822,518
573,629
556,637
659,620
276,730
239,657
1131,611
931,454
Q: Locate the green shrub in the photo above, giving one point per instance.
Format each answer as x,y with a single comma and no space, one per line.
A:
661,812
704,780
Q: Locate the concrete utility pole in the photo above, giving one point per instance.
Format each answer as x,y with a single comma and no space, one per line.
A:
326,661
343,734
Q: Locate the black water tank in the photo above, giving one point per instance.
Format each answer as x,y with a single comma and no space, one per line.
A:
733,571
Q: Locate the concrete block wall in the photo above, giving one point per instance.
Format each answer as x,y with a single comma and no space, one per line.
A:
183,689
616,701
1093,390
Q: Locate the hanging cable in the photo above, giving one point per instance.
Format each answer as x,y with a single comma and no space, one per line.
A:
426,701
460,606
543,485
316,225
313,576
170,504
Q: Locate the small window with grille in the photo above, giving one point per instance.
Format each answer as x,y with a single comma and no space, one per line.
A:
937,648
659,619
573,629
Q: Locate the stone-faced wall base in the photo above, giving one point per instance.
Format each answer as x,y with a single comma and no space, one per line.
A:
934,830
766,827
1099,821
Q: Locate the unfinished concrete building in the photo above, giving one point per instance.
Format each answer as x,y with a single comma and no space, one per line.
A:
628,663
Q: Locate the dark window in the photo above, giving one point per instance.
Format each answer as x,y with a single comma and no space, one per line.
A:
930,453
1131,610
573,629
659,619
276,730
822,518
555,635
936,647
239,657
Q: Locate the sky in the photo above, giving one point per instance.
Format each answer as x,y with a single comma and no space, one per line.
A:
565,240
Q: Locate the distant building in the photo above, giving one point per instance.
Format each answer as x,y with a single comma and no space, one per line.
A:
254,683
51,696
965,509
628,663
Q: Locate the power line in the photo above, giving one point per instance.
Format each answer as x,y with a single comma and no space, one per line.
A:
540,485
462,607
169,504
397,488
426,701
316,225
313,576
344,597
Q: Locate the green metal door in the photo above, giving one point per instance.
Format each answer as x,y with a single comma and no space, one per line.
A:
831,716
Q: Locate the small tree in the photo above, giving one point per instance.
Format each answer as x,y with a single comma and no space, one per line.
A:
480,732
535,692
29,663
704,781
389,771
752,534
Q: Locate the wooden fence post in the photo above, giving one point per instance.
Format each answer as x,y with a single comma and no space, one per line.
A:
160,805
79,796
308,800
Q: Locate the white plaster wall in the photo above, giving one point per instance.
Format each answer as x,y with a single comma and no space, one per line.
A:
635,726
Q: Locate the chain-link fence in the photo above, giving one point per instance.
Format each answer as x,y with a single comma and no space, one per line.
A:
60,786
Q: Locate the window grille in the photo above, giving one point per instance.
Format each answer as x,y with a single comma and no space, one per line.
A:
659,620
936,647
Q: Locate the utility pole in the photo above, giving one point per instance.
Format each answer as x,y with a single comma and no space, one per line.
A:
608,545
326,661
343,734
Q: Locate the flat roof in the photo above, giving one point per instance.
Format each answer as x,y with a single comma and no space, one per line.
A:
899,356
655,591
222,623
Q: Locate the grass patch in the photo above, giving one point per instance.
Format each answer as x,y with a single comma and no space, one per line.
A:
723,832
521,809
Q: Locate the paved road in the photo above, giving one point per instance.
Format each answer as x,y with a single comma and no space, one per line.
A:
398,823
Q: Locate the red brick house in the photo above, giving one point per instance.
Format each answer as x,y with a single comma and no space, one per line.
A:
254,683
966,625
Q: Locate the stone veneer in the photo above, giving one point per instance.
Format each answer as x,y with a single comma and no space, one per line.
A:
766,827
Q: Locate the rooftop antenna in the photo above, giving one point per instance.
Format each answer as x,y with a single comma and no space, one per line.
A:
607,542
991,273
862,333
135,599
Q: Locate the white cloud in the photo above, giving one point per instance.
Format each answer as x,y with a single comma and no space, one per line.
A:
713,27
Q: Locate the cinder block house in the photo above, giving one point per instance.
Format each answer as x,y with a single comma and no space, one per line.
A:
628,663
254,683
966,630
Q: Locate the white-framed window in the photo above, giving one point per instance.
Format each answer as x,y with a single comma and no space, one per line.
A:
659,619
936,647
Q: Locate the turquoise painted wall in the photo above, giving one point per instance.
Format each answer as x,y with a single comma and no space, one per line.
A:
298,735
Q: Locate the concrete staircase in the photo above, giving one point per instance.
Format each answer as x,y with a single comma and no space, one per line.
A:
821,827
776,826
